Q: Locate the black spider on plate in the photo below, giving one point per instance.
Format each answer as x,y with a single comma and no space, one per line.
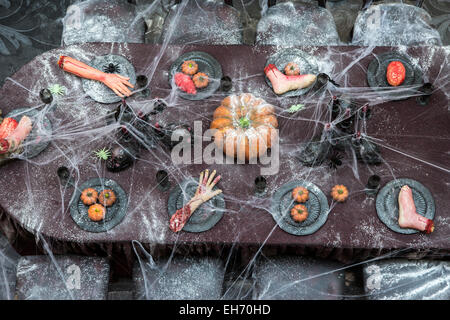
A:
335,159
111,68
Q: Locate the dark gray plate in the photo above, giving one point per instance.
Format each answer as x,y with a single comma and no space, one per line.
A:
206,64
317,205
387,203
33,144
114,214
376,73
304,61
97,90
206,216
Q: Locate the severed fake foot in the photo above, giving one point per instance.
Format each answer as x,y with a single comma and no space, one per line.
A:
408,216
282,83
203,193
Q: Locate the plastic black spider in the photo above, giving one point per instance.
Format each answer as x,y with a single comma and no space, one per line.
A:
335,159
111,68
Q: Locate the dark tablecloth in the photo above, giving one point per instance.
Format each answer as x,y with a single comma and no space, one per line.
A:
33,202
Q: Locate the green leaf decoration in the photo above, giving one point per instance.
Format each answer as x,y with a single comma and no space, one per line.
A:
244,122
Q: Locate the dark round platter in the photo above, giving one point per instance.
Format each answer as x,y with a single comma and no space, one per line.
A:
206,216
114,214
100,92
33,145
376,74
387,203
317,205
282,58
206,64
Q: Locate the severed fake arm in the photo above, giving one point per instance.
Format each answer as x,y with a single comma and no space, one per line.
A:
115,82
204,193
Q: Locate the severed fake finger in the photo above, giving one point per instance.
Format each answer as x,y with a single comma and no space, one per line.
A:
215,182
117,92
211,177
124,89
200,180
205,178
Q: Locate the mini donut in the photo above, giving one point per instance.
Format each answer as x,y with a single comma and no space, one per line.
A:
89,196
189,67
339,193
96,212
292,69
201,80
300,194
299,213
107,197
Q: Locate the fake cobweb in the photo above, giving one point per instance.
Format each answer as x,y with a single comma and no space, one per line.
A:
246,255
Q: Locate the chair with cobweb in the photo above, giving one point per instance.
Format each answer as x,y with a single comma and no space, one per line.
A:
393,24
297,24
102,21
202,22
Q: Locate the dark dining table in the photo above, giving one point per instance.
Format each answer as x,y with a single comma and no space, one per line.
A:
413,140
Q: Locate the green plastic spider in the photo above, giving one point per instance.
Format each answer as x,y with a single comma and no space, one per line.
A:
296,107
57,89
103,154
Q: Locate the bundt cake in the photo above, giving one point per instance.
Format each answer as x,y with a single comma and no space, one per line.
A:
246,126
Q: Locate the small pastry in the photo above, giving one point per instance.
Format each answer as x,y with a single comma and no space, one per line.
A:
89,196
339,193
299,213
395,73
201,80
96,212
185,83
107,198
300,194
189,67
292,69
